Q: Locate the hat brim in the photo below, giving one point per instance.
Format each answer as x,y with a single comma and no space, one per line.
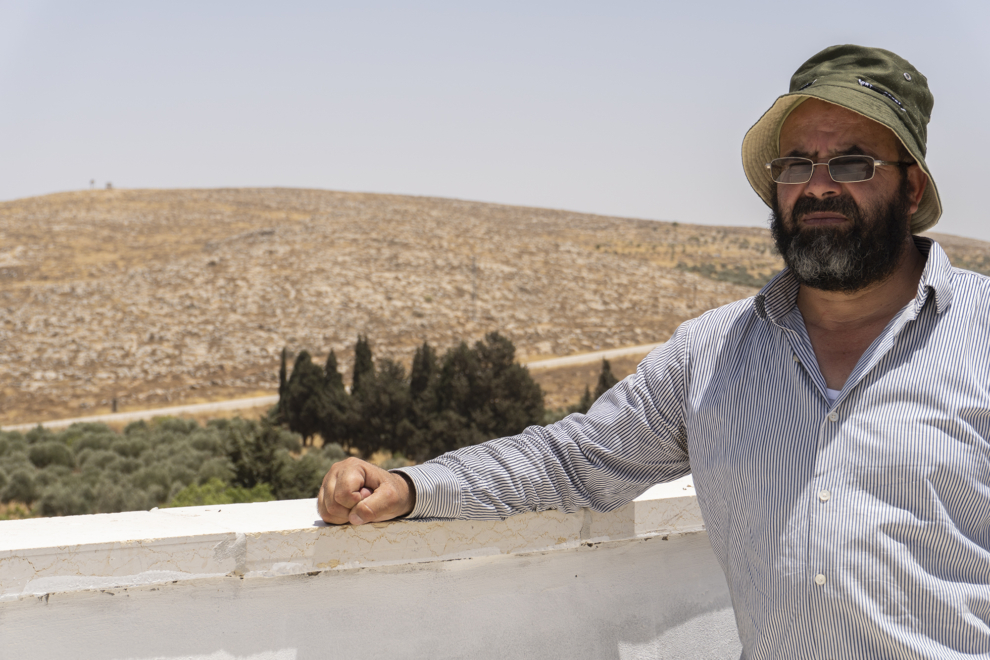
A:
762,143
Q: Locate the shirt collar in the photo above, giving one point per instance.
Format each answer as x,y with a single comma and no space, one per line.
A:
779,296
937,276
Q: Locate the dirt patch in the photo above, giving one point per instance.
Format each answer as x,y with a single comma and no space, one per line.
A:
564,386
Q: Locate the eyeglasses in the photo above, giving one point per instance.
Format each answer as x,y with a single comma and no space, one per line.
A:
842,169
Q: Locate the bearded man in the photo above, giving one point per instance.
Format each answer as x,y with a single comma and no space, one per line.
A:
837,424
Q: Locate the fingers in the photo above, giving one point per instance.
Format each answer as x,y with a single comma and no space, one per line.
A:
329,510
357,492
390,500
356,478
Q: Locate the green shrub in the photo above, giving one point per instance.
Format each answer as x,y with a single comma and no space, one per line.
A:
396,461
299,479
128,465
20,487
207,440
215,491
51,452
333,452
157,475
66,498
172,425
10,437
138,427
81,430
99,458
129,447
53,474
97,440
13,460
218,467
254,449
112,497
13,443
39,434
89,468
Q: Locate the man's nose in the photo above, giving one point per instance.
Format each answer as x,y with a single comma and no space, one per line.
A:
821,184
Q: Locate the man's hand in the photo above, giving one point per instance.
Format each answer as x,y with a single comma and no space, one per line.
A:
358,492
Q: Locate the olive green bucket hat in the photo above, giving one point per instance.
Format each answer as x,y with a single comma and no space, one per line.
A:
870,81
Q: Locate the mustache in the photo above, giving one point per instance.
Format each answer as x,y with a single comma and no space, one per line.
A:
843,205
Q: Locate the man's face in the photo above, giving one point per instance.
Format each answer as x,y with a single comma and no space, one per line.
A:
842,236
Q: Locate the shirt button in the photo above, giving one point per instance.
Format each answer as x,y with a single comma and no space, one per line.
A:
820,580
833,416
823,495
796,358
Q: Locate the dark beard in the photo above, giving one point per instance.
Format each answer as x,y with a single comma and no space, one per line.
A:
846,259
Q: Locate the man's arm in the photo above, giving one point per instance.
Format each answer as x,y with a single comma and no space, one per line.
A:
633,437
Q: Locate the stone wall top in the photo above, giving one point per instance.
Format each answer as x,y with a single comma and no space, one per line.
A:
79,553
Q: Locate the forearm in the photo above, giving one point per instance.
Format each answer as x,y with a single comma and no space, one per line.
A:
629,440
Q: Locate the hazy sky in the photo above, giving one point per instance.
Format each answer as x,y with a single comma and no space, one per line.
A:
621,108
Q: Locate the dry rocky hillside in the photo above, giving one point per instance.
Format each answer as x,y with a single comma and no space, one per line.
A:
160,297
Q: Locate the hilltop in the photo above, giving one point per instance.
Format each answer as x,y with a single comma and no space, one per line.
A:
157,297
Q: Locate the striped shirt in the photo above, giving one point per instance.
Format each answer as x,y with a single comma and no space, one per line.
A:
853,529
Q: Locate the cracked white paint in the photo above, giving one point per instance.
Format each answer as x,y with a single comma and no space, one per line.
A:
236,549
68,583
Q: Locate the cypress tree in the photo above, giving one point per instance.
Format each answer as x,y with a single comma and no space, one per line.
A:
364,366
337,413
482,393
515,400
605,380
333,377
423,442
424,366
383,404
305,397
584,404
281,389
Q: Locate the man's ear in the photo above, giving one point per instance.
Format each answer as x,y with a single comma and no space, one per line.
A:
917,182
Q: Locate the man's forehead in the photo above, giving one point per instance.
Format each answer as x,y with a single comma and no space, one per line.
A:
814,123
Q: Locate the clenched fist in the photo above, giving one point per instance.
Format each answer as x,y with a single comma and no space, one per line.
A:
358,492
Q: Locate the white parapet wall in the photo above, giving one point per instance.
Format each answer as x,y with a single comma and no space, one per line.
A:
272,581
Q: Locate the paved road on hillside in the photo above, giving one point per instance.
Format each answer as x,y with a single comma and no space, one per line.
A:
255,402
585,358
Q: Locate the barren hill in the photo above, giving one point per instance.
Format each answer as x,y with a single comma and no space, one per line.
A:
157,297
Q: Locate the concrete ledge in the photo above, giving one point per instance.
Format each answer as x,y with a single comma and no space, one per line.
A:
39,556
272,582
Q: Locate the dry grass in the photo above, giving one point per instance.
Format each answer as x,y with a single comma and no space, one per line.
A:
15,511
159,298
564,386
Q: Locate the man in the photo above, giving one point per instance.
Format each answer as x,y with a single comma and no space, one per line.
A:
837,424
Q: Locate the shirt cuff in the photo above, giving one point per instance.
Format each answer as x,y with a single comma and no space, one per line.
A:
438,493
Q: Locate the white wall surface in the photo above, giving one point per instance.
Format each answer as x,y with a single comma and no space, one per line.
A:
266,581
